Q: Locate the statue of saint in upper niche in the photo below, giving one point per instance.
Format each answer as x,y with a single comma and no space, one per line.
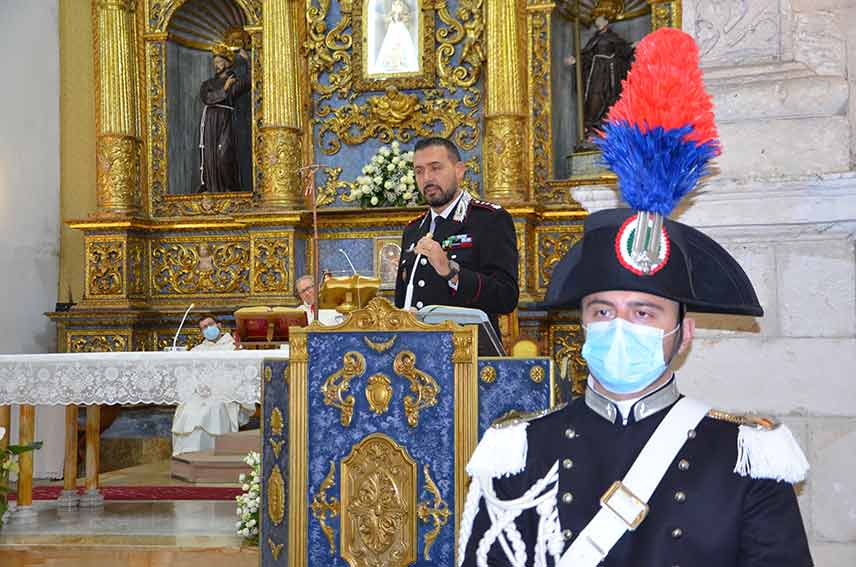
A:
218,141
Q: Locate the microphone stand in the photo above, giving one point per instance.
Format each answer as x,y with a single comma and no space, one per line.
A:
180,325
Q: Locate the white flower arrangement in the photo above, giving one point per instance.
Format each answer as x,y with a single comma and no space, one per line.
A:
249,503
388,180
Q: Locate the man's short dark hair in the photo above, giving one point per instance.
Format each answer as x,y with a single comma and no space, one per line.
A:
451,148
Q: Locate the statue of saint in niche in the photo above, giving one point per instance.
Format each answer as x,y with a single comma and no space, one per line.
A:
218,142
397,52
606,60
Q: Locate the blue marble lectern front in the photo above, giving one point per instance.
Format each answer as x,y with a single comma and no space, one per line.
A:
367,432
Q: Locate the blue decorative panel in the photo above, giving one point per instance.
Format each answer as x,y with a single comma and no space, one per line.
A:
359,250
507,384
431,441
274,398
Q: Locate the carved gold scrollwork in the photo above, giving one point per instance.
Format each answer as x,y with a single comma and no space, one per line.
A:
378,492
270,265
438,512
281,159
118,170
566,344
398,116
379,346
105,265
298,351
277,447
463,347
468,30
78,342
326,194
136,267
504,154
184,269
353,365
422,384
329,52
551,249
379,393
276,496
381,315
540,125
322,507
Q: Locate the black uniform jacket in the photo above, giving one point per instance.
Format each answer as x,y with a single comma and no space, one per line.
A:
483,243
701,515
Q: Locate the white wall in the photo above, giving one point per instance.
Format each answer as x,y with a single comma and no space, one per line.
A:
29,194
783,77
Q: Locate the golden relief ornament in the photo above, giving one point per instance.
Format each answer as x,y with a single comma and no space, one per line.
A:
462,345
270,265
540,105
118,173
552,247
537,374
380,346
505,155
338,383
183,268
327,193
268,374
436,512
103,342
378,491
276,496
488,374
422,384
277,446
566,340
276,421
136,267
379,393
465,29
275,549
281,161
322,507
105,267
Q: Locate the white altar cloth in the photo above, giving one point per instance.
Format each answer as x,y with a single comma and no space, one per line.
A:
164,378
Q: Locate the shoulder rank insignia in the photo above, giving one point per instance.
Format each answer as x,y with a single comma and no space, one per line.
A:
417,218
756,421
515,417
486,204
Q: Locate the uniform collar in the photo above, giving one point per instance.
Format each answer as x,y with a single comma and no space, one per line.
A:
644,407
448,210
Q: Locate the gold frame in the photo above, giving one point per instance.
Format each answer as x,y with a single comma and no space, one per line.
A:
378,315
424,78
154,112
381,242
539,15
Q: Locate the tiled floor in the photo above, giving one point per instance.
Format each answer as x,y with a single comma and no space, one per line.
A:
192,521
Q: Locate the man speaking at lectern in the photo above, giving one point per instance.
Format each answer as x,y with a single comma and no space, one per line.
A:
465,250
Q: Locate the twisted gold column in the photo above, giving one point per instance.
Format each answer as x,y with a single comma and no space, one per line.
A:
282,109
118,145
505,148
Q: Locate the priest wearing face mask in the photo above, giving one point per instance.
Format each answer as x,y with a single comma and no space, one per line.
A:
634,473
199,420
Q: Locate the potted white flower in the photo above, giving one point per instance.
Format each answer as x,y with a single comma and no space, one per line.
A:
388,180
249,503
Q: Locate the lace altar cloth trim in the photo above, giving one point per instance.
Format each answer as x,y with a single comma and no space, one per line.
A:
132,377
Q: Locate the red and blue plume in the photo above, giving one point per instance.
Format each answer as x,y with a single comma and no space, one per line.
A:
660,136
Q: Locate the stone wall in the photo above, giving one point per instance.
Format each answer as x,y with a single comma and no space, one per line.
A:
783,77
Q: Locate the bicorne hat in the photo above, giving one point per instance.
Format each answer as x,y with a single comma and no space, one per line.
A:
659,139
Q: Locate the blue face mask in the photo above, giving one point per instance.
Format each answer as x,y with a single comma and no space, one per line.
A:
211,332
623,356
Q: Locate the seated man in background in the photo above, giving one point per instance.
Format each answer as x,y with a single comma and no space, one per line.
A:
198,421
307,294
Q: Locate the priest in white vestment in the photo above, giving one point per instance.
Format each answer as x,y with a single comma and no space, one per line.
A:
306,292
199,420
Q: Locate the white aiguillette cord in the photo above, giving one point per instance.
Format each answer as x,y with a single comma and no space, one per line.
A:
408,295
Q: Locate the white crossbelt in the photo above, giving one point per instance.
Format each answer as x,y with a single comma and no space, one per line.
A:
625,504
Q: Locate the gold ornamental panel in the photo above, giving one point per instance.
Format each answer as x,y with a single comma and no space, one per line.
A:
505,158
97,341
378,491
552,243
276,496
137,267
271,273
118,173
105,267
282,158
201,265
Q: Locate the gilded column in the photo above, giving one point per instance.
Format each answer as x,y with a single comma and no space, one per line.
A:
505,141
118,143
282,109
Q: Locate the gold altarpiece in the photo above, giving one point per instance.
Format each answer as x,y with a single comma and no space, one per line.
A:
484,80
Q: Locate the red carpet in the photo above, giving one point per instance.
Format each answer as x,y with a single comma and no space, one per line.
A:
146,492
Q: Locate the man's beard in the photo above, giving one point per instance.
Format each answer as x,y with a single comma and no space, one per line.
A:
444,198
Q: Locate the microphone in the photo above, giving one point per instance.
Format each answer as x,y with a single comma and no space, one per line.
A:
180,325
345,254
